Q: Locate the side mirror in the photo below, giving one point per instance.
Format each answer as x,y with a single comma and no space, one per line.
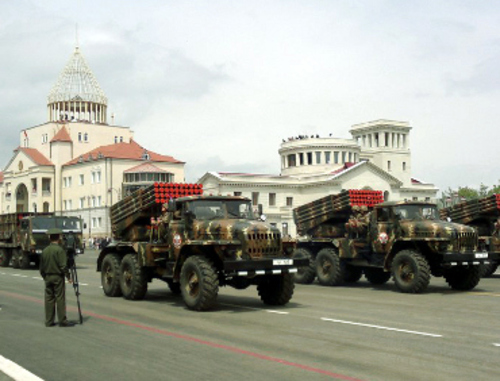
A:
171,206
259,210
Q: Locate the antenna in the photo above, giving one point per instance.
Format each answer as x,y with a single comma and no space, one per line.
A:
76,35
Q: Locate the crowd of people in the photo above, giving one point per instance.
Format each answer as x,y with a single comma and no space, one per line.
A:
97,243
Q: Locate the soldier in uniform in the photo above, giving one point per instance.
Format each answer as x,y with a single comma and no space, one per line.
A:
54,268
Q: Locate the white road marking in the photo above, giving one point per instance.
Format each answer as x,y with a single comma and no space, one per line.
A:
37,277
381,327
84,284
278,312
496,344
16,372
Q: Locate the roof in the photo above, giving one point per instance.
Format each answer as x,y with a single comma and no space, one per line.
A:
62,136
77,82
145,168
34,155
130,151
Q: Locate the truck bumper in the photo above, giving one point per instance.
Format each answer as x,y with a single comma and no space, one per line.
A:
259,267
477,258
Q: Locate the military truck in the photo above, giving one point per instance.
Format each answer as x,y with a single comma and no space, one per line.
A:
23,236
483,214
354,232
202,243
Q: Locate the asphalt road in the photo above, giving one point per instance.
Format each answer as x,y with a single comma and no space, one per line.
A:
355,332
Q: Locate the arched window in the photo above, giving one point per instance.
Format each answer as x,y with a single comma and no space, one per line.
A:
45,207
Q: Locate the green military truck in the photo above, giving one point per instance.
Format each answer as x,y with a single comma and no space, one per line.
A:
203,243
483,214
406,240
23,236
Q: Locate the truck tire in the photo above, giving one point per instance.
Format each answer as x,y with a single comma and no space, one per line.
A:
328,268
376,275
489,270
199,283
110,275
276,290
411,271
16,258
133,281
350,273
24,261
463,278
305,274
4,257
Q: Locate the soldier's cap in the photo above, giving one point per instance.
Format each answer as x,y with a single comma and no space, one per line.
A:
54,231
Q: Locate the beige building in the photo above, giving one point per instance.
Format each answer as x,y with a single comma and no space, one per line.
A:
378,157
76,163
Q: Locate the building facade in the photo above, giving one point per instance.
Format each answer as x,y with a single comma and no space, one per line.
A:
76,163
378,157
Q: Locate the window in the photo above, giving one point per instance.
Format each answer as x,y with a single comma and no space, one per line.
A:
301,158
255,198
81,180
388,165
86,137
350,157
309,158
95,177
336,157
404,165
82,202
79,136
272,199
343,157
70,204
415,198
99,198
116,139
284,228
237,193
292,160
121,139
69,181
327,157
45,138
93,201
65,205
289,201
318,157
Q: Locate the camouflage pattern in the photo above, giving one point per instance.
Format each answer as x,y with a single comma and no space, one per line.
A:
483,214
373,235
23,236
237,243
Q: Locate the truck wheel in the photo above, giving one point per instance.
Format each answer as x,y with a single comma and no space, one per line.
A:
350,273
24,260
411,271
199,283
16,258
463,278
305,274
489,270
376,275
4,257
276,290
110,275
328,268
132,278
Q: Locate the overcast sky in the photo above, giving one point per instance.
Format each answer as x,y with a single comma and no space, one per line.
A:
219,84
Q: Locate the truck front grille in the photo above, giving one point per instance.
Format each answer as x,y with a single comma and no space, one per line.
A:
466,241
263,244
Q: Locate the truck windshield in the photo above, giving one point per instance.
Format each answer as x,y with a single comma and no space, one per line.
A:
68,223
64,223
212,209
412,212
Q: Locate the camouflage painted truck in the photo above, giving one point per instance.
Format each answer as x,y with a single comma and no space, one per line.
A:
484,215
354,232
23,236
203,243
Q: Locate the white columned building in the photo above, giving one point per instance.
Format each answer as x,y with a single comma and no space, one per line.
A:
378,157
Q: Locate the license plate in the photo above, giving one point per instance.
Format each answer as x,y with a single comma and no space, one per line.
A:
481,255
281,262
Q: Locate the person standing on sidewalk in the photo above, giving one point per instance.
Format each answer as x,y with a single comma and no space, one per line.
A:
54,270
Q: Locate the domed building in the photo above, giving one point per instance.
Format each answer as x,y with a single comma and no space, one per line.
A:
378,157
76,163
